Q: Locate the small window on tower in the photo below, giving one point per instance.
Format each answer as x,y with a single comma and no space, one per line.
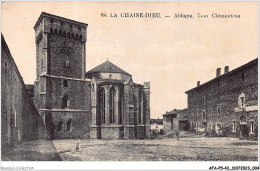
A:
242,75
67,63
65,83
51,20
79,28
70,25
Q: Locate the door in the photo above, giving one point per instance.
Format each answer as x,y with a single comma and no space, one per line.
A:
243,131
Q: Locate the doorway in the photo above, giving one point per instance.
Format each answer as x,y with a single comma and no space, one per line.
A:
243,131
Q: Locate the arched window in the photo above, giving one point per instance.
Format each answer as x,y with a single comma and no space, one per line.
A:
64,102
60,126
51,30
69,123
102,105
140,106
112,105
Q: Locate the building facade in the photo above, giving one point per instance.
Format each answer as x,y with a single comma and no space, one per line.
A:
120,108
175,120
228,104
20,120
102,103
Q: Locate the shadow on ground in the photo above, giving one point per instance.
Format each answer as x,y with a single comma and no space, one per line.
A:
31,151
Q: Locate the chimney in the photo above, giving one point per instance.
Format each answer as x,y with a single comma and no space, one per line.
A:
218,72
198,83
226,69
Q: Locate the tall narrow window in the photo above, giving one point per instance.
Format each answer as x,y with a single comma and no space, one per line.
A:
64,102
120,106
204,115
218,111
102,105
139,106
60,126
112,105
234,126
242,75
242,101
65,83
251,127
69,123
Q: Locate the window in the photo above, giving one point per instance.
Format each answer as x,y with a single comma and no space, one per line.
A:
234,126
64,102
69,123
42,64
60,126
67,63
70,25
51,20
204,115
79,28
251,127
102,105
5,67
241,100
112,105
218,111
204,100
191,112
65,83
139,106
218,96
242,75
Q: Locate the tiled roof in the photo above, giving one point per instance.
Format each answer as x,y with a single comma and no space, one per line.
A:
107,67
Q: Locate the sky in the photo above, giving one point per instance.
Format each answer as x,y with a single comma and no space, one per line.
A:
172,53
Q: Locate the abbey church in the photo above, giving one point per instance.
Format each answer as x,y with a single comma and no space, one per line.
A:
103,103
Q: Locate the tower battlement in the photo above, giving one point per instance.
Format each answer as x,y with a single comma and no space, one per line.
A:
49,23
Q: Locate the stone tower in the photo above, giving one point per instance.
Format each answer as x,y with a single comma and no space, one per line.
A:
62,95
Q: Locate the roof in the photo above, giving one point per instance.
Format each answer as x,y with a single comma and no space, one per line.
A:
158,121
107,67
253,62
44,14
175,111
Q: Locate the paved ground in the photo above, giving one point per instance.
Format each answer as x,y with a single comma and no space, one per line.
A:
188,148
31,151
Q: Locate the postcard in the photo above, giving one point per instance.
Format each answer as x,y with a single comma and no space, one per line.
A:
154,85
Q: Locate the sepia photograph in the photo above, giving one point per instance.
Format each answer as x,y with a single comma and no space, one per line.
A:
162,82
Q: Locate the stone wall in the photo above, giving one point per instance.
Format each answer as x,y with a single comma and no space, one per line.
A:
218,99
20,120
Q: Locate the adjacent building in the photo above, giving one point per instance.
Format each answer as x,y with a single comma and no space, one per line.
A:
20,120
157,125
228,104
175,120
